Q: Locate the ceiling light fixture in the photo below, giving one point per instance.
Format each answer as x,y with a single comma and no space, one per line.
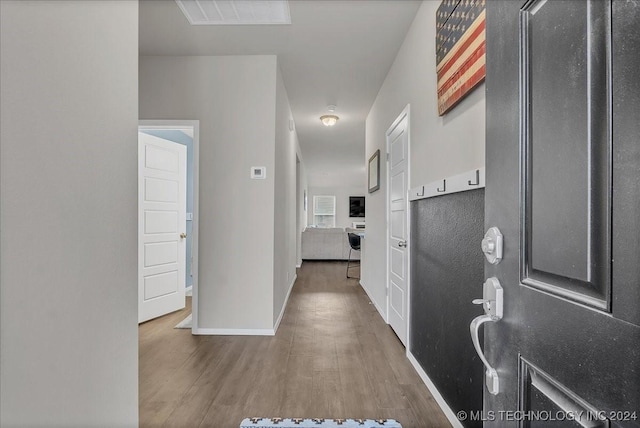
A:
329,119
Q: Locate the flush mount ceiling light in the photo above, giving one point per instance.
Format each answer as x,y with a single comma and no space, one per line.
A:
329,119
235,12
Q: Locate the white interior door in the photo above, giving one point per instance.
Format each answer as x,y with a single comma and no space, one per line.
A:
398,260
162,188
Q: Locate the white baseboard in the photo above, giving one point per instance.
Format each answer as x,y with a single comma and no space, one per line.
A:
188,291
234,331
434,391
382,314
284,305
299,266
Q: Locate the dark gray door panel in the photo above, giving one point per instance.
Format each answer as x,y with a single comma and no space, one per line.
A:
563,186
566,140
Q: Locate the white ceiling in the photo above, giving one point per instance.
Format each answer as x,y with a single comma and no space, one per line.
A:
334,52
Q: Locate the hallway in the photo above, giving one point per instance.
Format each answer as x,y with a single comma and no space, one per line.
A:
333,357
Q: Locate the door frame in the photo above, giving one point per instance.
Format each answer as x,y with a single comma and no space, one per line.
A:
195,126
406,112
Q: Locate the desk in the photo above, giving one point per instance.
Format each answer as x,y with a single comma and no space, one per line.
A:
359,232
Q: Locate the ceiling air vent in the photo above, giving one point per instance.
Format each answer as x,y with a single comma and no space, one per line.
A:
235,12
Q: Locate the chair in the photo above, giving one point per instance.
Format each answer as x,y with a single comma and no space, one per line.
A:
354,243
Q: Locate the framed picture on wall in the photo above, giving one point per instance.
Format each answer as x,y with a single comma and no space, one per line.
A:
460,50
374,172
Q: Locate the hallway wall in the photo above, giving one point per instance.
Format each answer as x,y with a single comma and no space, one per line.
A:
68,222
447,271
234,98
285,233
439,147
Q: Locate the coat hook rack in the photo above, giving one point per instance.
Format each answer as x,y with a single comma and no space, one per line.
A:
444,186
477,179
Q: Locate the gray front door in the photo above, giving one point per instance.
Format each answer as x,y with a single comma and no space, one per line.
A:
563,187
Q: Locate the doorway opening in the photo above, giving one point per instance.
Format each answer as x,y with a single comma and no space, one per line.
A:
168,231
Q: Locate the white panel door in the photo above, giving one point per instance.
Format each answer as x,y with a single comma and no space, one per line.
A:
162,193
398,262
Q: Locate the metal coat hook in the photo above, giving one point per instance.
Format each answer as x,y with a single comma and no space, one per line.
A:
477,179
444,186
420,194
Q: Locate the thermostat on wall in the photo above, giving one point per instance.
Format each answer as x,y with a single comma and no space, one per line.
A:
258,172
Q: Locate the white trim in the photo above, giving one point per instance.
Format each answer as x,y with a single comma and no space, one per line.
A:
233,331
370,296
434,392
298,266
284,305
408,212
189,290
180,125
453,184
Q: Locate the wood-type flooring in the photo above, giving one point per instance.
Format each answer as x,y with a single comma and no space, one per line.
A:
333,356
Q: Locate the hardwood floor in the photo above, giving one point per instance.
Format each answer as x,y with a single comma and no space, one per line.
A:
332,357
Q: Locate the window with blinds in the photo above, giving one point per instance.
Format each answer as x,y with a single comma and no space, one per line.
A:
324,210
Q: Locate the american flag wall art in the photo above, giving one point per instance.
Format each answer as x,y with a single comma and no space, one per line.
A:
460,50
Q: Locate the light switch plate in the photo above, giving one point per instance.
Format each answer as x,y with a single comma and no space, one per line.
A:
258,172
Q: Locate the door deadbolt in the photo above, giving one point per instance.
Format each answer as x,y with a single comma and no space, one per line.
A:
492,245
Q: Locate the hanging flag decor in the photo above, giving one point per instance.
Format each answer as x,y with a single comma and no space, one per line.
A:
460,50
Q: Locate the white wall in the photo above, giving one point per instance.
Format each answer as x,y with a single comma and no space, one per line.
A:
285,233
68,296
440,146
234,98
342,194
336,175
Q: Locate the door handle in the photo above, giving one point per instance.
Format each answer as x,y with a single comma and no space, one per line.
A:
492,302
183,235
491,375
402,244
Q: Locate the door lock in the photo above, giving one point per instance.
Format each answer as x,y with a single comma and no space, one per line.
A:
491,298
485,302
492,245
